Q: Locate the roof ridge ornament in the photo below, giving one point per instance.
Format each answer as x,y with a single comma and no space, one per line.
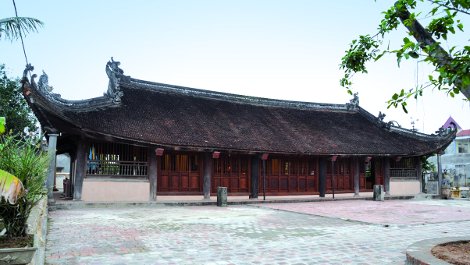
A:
354,102
27,69
43,83
114,74
387,125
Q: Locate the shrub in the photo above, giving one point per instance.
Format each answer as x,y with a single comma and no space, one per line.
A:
25,159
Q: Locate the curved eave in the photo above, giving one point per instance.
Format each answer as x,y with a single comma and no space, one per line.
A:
47,111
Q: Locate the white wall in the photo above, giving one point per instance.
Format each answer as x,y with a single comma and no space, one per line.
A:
98,190
404,187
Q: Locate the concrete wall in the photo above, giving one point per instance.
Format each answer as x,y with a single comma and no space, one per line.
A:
37,226
404,187
112,190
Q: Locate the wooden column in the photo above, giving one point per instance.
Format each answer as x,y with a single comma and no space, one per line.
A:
207,166
51,151
322,176
80,170
152,171
357,172
387,175
419,172
254,177
439,174
69,193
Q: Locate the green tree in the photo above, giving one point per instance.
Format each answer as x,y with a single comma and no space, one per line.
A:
451,66
13,28
13,106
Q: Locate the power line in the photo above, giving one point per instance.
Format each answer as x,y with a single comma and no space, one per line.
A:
19,31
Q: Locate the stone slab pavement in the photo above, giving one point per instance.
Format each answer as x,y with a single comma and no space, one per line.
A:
296,233
389,212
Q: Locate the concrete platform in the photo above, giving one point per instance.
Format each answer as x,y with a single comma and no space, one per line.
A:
60,203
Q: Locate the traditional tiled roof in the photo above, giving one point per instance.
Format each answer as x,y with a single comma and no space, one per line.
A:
177,117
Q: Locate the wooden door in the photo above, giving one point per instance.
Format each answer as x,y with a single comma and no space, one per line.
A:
231,171
290,175
179,173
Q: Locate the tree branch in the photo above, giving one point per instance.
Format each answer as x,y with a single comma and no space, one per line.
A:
449,7
425,40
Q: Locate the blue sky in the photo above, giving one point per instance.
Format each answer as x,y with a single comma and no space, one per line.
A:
270,48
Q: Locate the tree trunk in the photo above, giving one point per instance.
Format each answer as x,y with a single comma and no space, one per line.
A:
424,38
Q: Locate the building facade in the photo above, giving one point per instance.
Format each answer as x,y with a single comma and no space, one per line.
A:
143,139
455,159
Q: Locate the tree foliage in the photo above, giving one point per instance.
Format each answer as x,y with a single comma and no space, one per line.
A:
13,28
13,106
451,66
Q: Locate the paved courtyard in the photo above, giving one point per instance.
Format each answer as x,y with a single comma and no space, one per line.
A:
340,232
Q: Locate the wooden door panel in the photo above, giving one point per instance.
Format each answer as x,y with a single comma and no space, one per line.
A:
283,183
164,183
225,182
302,183
347,183
310,184
273,184
234,184
293,184
174,182
194,183
185,182
362,181
243,183
340,181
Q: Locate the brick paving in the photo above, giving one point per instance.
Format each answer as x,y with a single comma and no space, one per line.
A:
291,234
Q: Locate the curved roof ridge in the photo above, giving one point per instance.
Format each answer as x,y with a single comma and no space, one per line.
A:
237,98
418,135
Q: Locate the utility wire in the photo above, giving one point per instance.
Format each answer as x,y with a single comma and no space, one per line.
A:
19,31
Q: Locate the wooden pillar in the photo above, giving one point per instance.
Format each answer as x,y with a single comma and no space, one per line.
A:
68,191
254,177
322,176
51,151
439,174
152,171
387,175
207,165
80,170
357,172
419,172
